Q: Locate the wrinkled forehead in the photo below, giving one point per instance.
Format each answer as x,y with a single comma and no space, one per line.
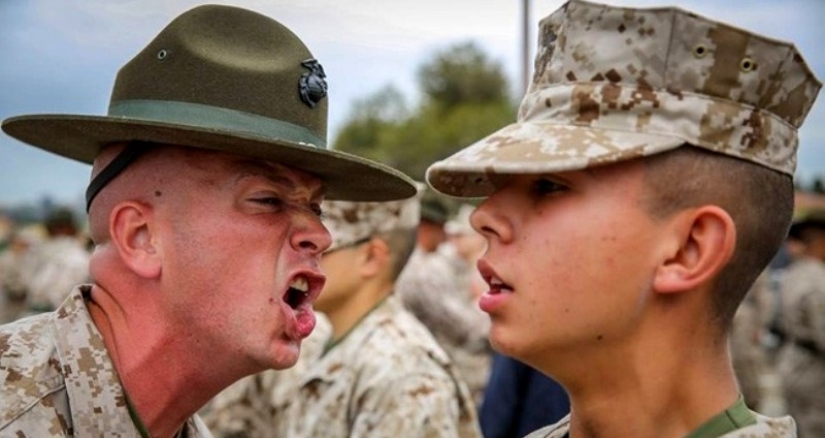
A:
275,172
170,161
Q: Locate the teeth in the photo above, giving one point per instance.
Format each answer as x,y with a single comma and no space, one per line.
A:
300,283
498,286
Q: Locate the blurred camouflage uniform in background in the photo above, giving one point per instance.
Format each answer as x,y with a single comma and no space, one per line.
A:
388,377
384,375
750,358
255,406
802,359
51,268
436,287
13,288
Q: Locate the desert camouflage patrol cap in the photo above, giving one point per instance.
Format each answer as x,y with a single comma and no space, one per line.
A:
615,83
352,222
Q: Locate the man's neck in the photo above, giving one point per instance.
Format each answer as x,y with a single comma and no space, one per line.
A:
661,394
147,359
346,317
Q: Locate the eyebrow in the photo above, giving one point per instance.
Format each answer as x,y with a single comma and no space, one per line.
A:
258,168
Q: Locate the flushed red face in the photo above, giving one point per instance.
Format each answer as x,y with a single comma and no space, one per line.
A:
242,241
569,262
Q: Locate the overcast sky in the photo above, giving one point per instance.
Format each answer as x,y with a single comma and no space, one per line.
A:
61,56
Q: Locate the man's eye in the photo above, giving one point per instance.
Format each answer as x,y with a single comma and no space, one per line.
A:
316,208
546,187
275,202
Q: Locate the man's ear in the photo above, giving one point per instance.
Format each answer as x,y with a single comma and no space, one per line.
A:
704,241
131,229
375,253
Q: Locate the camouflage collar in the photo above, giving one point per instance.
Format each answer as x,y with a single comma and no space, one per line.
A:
96,396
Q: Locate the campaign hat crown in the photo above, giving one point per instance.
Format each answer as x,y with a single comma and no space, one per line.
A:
227,79
615,83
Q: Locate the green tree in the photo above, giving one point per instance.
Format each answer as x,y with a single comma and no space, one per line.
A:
463,74
465,97
818,185
372,123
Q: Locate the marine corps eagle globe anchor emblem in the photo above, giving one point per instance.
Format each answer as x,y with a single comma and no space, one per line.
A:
313,85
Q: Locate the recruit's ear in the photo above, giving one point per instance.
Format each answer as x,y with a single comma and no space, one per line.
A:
131,232
374,255
704,241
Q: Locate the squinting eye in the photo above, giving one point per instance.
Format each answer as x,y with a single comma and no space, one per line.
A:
546,187
276,202
316,208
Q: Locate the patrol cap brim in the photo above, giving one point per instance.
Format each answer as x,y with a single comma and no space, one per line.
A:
538,148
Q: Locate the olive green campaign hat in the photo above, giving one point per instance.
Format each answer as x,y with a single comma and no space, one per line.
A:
220,78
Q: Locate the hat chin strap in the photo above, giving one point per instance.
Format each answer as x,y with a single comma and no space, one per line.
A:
128,155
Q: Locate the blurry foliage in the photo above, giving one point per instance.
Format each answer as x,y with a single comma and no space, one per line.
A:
818,186
462,75
465,97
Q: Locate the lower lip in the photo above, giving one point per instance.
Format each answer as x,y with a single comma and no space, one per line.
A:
491,302
305,321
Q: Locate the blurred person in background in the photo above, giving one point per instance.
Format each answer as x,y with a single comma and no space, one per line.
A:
801,360
53,267
13,288
462,249
748,330
519,399
436,286
381,372
258,405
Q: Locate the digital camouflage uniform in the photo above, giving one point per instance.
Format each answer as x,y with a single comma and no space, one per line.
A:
58,379
386,378
750,359
431,288
12,287
255,406
802,359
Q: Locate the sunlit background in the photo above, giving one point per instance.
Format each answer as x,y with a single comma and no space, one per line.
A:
61,57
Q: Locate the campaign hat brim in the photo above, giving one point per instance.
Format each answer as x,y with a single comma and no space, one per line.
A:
346,176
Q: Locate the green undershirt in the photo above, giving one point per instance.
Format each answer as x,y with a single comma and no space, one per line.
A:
144,433
142,430
733,418
736,417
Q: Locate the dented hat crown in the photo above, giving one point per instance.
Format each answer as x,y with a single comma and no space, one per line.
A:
221,78
614,83
352,222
